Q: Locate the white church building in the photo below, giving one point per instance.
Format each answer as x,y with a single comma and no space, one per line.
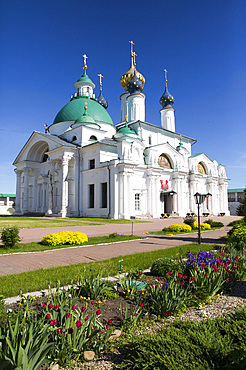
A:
85,166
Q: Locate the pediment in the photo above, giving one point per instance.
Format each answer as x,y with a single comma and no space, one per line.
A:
37,145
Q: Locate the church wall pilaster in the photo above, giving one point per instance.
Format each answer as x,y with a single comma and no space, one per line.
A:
26,190
64,187
18,192
81,188
34,191
76,185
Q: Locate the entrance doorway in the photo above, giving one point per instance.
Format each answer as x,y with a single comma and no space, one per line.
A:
167,202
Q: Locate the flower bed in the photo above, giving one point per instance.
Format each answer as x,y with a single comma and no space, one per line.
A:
64,324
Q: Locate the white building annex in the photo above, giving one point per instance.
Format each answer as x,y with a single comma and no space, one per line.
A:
84,165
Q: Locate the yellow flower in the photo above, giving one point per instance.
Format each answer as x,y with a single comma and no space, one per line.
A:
99,302
88,298
128,290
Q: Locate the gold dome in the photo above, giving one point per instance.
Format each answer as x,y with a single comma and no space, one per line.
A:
130,73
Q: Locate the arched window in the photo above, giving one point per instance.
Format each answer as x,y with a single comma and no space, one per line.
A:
74,138
93,138
164,161
201,168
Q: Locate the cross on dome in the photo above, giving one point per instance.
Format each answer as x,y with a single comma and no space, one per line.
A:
132,43
100,80
165,76
85,103
85,57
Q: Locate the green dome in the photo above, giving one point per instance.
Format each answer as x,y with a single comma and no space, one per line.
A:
126,130
85,119
75,109
85,78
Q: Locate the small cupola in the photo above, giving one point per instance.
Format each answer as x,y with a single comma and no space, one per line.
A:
84,85
166,99
167,111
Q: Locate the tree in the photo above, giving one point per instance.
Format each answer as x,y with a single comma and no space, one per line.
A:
241,209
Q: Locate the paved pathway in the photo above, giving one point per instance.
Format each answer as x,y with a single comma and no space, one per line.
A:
17,263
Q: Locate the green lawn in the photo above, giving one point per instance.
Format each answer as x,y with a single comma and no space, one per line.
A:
35,222
38,247
29,223
37,280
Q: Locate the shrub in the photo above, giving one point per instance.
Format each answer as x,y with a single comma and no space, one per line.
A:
180,228
210,344
64,237
237,222
189,220
113,235
161,266
10,236
203,226
238,237
214,223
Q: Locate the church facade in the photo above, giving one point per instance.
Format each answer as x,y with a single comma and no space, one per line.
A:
85,166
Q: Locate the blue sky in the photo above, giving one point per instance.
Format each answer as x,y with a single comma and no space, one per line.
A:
200,43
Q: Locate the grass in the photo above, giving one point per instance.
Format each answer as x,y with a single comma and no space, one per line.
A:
167,232
29,223
37,280
35,222
38,247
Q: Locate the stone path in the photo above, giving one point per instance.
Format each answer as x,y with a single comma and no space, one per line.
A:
17,263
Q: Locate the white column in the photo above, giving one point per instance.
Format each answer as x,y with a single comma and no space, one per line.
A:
121,195
175,197
81,188
50,193
76,185
26,190
18,191
192,198
64,187
149,192
125,197
34,191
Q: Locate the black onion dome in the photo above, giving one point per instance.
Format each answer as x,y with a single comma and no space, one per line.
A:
166,99
135,86
102,101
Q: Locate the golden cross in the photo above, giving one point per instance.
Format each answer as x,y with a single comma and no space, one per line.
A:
85,103
100,77
126,118
45,127
132,43
165,76
134,57
85,57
